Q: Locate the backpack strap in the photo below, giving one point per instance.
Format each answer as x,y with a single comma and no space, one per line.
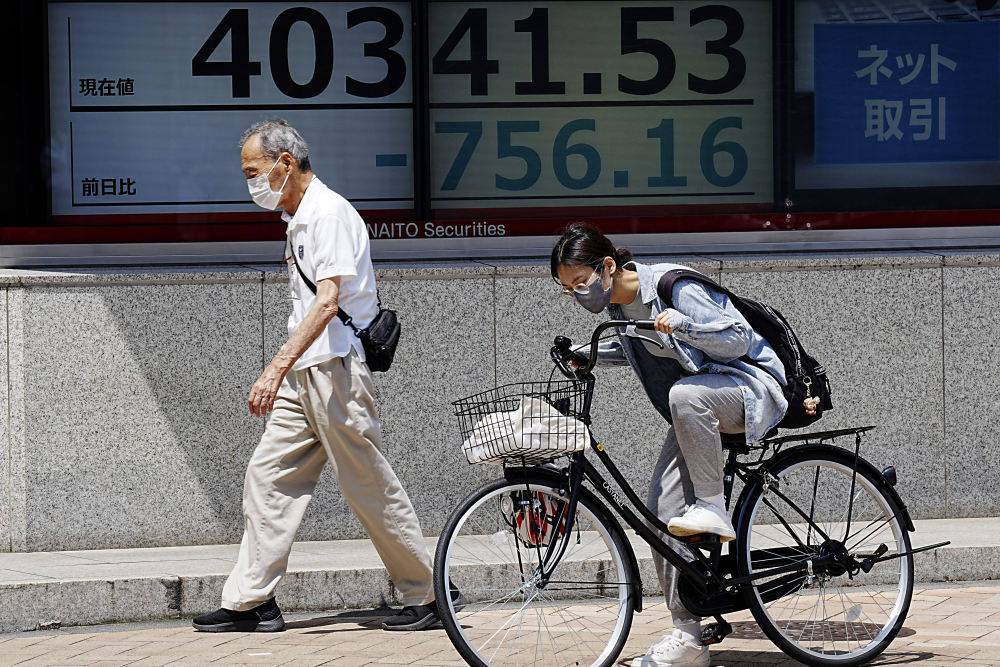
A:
341,315
665,285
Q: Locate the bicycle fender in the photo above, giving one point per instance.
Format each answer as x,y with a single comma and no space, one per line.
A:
519,474
847,458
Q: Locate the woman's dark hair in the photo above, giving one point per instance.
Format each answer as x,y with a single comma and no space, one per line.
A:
583,245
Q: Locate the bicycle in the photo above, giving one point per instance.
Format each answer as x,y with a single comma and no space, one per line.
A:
822,556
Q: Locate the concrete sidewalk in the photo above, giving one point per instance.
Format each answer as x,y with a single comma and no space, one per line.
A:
51,589
947,624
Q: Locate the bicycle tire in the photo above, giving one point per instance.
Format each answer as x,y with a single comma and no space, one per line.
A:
775,602
461,623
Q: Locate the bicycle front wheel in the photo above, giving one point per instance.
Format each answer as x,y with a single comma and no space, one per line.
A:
490,551
815,510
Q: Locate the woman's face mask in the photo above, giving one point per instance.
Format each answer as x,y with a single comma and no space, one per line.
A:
592,295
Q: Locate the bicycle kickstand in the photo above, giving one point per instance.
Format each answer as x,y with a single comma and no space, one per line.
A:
714,633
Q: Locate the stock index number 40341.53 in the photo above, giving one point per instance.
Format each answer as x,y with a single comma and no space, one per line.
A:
479,65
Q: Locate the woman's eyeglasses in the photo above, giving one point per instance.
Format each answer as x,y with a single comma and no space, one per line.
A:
584,287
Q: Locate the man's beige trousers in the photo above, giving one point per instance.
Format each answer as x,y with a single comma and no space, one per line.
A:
325,412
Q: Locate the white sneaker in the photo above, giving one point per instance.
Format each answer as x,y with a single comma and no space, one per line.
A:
703,518
674,650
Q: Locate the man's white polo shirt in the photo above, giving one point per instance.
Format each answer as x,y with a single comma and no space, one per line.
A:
328,238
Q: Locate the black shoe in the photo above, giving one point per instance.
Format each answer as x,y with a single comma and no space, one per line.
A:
413,617
419,617
264,617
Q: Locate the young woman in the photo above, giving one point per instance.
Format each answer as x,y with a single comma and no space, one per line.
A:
694,376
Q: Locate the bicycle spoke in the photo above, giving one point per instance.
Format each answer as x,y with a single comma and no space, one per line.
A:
880,526
505,624
583,622
787,525
812,504
498,602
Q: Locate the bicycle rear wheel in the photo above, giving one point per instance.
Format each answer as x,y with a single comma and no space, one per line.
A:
490,550
835,613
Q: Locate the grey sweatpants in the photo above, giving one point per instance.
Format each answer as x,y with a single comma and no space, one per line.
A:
691,462
324,413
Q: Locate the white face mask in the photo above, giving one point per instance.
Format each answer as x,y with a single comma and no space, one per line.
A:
260,189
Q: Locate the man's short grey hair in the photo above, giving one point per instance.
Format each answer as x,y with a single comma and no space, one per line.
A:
277,137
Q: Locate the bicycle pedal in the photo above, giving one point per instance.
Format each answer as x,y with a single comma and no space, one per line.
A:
714,633
701,540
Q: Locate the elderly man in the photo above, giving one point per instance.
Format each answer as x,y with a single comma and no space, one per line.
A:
320,395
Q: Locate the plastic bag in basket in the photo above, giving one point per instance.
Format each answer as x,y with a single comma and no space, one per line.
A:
535,429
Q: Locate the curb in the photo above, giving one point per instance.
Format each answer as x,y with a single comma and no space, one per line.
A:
90,601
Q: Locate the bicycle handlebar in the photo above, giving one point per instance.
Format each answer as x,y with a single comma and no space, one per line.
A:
562,353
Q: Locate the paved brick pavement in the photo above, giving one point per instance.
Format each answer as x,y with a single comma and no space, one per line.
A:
948,624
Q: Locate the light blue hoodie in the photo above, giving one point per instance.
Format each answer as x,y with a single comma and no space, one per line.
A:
710,336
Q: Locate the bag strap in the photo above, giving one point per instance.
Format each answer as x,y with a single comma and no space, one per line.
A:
665,290
341,315
665,285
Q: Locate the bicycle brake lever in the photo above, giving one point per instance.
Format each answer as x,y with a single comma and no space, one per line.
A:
655,341
557,357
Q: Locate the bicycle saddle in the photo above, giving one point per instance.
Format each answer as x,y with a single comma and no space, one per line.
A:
737,441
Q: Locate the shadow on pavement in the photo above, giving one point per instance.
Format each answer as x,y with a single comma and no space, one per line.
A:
732,656
365,619
777,658
750,630
904,658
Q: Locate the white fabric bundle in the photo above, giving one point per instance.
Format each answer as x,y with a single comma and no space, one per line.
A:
533,429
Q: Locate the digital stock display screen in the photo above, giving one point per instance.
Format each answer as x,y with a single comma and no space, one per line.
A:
526,110
451,119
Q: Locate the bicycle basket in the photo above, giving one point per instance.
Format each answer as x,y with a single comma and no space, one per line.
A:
526,421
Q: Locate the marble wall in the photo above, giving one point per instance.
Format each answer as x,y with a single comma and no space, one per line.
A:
124,412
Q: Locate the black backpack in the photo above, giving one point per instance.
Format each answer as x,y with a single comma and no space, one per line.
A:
804,375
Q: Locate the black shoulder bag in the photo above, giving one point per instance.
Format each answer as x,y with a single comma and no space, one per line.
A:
379,339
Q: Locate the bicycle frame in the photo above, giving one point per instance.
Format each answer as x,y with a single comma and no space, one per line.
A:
707,580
